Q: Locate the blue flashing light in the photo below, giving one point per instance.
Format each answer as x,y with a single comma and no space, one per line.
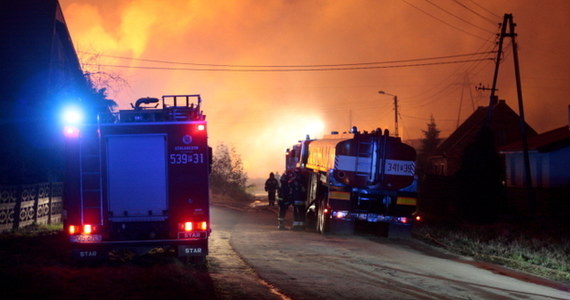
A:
72,115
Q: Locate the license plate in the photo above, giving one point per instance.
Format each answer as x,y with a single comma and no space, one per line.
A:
85,238
192,235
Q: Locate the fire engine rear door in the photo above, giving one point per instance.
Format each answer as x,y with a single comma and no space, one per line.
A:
137,177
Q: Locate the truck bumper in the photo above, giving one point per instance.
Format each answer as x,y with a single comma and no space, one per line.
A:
101,250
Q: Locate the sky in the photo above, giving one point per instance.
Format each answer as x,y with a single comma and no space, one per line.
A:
270,72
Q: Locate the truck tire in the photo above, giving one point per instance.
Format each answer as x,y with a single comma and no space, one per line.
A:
323,221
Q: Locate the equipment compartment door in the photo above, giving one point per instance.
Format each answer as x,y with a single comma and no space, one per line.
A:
137,177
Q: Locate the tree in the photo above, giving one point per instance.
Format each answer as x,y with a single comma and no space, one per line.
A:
101,81
228,176
429,145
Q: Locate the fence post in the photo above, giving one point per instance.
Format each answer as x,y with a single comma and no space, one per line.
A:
50,195
19,191
36,201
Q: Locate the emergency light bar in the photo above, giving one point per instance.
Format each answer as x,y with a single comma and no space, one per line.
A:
71,118
72,115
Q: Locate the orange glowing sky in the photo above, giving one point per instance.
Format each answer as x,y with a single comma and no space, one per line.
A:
263,113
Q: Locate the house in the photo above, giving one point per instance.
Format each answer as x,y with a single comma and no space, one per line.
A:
503,122
549,155
463,176
40,71
549,158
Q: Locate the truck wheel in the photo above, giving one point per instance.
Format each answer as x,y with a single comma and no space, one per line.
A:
323,222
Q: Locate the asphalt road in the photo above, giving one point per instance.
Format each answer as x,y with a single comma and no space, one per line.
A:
251,257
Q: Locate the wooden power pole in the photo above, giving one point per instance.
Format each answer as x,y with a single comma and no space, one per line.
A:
509,24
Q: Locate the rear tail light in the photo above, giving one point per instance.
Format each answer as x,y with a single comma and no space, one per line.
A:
85,229
203,225
341,214
188,226
191,226
418,218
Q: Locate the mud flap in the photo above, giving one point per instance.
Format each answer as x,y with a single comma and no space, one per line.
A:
89,254
197,248
341,227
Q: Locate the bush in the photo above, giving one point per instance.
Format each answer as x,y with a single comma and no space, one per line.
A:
228,176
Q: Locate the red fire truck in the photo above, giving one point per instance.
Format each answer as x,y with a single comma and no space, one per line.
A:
138,180
357,177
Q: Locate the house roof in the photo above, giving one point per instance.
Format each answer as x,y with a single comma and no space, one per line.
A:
544,142
504,123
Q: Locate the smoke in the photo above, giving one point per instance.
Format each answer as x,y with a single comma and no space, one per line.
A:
263,113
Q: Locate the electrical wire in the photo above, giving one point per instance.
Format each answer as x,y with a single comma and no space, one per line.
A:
461,69
288,66
476,13
292,69
459,18
485,9
444,22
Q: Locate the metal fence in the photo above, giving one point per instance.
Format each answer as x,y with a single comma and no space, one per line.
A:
24,205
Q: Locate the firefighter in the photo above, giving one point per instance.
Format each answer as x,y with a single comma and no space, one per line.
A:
298,199
271,186
284,202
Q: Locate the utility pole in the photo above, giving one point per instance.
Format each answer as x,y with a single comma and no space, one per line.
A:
508,21
395,111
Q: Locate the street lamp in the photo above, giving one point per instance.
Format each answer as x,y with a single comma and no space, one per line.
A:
395,110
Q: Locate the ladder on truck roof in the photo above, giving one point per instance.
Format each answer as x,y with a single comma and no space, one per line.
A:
90,172
366,158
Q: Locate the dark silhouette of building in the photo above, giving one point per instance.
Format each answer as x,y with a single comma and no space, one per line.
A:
40,72
464,175
504,125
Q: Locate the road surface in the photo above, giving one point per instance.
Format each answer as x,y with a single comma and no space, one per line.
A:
267,263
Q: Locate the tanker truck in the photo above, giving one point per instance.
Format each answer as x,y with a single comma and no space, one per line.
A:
356,178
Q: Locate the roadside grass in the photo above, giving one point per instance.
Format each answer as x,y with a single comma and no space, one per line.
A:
539,250
33,231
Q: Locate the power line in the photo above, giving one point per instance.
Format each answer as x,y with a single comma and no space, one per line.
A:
476,13
460,18
449,88
290,70
290,66
460,69
444,22
485,9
